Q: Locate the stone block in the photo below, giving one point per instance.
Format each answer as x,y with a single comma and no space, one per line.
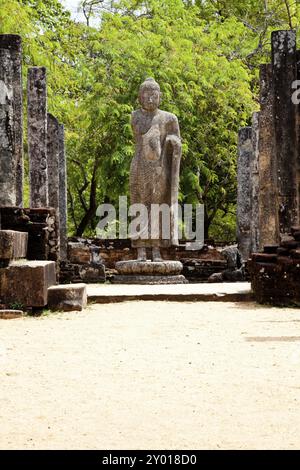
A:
27,282
9,314
297,236
264,257
295,253
13,245
67,297
295,229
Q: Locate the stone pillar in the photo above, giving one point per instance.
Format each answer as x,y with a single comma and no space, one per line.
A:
11,121
297,97
18,120
244,191
284,74
37,136
63,211
53,161
268,208
254,174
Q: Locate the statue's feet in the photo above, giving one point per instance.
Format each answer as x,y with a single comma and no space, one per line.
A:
156,255
142,255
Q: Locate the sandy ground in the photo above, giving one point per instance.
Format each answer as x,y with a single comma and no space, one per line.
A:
152,375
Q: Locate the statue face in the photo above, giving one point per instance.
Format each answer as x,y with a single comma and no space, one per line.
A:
149,98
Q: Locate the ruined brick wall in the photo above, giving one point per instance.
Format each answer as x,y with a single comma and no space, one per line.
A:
93,260
275,273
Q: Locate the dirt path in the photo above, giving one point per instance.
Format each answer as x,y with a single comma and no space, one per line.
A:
152,375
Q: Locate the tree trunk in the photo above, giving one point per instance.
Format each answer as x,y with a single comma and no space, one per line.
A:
207,222
91,211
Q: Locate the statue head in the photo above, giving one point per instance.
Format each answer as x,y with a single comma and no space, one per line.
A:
149,94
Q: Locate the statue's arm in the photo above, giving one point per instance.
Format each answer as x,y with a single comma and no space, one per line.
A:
133,123
174,134
175,130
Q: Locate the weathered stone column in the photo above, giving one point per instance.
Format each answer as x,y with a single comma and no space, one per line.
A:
284,74
11,121
63,210
244,191
53,161
37,136
297,97
18,119
254,175
268,208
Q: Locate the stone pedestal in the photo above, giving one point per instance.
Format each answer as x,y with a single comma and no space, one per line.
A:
147,272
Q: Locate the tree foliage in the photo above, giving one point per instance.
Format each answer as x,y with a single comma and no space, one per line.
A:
204,54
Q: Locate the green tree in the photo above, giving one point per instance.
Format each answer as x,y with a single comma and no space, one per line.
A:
205,55
209,92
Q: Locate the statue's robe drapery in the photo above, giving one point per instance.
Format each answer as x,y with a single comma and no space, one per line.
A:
154,173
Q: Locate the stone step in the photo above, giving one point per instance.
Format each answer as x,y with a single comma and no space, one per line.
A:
27,282
13,245
221,292
281,251
67,297
270,249
296,235
295,253
289,244
264,257
295,229
9,314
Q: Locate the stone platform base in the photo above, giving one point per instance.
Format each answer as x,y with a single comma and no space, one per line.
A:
223,292
138,279
148,272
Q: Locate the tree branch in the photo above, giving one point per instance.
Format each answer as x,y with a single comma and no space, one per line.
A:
72,209
289,13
